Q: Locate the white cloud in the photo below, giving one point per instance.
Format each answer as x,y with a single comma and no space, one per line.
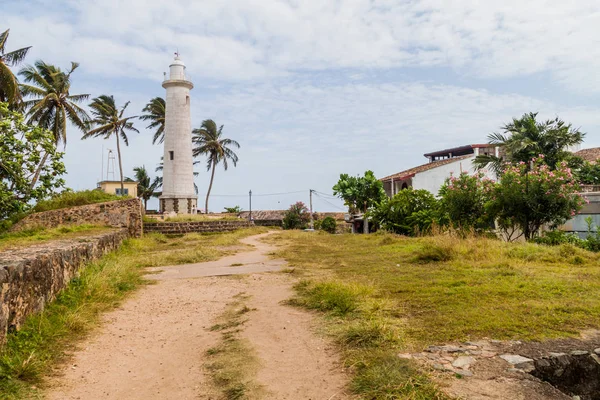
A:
247,39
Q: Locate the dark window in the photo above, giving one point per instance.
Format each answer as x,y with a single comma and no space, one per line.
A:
187,100
118,192
171,155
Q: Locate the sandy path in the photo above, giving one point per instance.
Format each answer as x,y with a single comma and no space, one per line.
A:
153,346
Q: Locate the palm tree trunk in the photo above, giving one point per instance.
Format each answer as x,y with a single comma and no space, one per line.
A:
145,204
38,171
120,164
212,176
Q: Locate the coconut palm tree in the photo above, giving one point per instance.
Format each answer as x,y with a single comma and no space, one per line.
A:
155,110
109,121
146,187
9,86
50,103
208,140
526,138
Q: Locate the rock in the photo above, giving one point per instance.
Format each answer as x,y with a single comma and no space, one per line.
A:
439,367
576,398
597,351
452,349
433,349
463,373
488,354
463,362
406,356
525,367
515,359
578,353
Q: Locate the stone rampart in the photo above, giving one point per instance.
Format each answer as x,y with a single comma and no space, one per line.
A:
30,277
195,226
118,214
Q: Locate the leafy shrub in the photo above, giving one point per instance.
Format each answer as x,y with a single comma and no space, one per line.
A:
71,199
296,217
233,210
329,225
463,199
407,213
557,237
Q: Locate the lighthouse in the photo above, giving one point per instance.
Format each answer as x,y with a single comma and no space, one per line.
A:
178,194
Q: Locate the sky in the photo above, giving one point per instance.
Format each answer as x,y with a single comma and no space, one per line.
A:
311,88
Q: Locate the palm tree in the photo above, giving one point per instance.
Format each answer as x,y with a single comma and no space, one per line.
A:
109,121
146,187
526,138
9,86
155,110
208,141
51,104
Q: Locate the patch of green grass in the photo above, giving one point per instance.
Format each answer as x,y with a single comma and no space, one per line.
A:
31,353
437,290
72,199
232,362
37,235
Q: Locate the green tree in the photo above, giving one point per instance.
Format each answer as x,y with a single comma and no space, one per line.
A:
109,121
50,103
526,138
233,210
527,198
155,113
359,193
146,187
9,85
21,150
464,201
208,140
589,173
296,217
409,212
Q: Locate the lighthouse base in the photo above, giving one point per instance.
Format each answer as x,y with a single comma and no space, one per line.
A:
184,205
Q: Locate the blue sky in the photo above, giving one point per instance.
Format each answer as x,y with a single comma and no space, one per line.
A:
312,89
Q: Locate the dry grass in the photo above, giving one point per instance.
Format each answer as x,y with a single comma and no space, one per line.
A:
232,362
435,290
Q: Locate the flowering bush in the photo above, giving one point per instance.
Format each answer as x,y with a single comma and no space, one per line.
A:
526,198
464,200
296,217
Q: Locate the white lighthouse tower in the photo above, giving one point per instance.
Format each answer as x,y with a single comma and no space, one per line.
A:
178,193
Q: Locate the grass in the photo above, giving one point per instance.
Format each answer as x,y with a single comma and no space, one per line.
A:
37,235
385,294
231,363
31,353
72,199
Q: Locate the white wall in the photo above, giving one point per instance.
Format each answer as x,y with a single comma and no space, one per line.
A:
433,179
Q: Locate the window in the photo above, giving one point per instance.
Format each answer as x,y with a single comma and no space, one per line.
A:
171,155
125,192
187,100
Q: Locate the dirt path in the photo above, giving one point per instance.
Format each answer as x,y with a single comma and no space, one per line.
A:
153,346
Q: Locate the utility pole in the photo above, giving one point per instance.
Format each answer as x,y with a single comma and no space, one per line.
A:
250,215
312,222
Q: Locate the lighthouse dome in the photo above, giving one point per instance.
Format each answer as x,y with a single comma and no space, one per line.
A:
177,69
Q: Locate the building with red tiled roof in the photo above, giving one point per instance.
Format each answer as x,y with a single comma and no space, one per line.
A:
442,164
592,155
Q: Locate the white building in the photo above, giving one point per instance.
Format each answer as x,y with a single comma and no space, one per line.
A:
442,164
178,194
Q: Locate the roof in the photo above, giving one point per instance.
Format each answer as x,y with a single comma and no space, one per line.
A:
591,155
425,167
119,182
458,150
277,215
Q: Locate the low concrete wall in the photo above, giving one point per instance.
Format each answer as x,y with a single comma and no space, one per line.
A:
196,226
32,276
119,214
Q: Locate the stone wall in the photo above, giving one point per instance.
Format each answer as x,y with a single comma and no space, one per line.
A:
32,276
119,214
196,226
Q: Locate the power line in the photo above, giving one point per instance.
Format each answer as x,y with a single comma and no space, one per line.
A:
325,194
254,195
331,204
